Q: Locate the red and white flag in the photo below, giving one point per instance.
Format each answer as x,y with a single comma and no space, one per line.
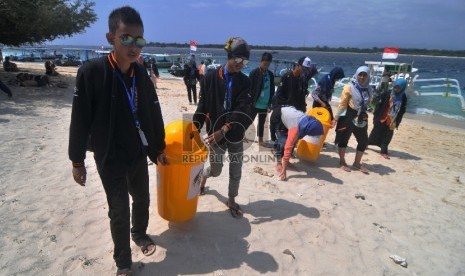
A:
193,45
390,53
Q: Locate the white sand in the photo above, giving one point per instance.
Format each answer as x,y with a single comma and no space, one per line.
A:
414,206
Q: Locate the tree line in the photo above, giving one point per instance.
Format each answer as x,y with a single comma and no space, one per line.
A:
373,50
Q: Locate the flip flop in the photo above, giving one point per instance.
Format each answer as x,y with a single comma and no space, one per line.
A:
235,210
144,242
345,168
385,156
362,168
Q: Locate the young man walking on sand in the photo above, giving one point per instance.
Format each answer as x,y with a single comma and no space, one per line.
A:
225,107
116,112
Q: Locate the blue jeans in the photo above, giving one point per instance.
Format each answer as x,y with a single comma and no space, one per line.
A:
281,137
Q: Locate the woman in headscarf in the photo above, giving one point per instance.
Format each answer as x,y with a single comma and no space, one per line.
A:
387,116
324,91
351,117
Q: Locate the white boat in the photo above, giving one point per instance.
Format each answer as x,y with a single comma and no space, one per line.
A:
165,60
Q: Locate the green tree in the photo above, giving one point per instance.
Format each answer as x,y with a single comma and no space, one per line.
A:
35,21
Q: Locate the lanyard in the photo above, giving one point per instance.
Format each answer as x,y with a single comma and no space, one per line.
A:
131,95
227,100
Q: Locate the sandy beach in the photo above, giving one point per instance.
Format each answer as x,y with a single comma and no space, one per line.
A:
412,205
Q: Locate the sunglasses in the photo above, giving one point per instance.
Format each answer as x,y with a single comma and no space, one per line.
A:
127,40
241,60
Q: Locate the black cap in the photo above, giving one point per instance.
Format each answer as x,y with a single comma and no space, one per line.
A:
237,47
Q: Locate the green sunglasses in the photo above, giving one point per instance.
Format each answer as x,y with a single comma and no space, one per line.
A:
127,40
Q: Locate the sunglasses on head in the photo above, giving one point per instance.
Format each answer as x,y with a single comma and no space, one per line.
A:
239,60
127,40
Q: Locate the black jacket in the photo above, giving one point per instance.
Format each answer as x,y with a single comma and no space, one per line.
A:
210,109
383,104
256,80
292,92
188,73
102,112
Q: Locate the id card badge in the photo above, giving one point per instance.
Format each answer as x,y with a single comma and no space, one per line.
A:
142,138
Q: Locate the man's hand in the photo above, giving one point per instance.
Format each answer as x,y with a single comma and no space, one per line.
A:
215,138
79,175
162,159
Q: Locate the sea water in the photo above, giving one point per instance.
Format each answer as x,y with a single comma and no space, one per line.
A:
428,67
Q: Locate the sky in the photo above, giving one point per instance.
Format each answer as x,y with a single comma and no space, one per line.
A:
429,24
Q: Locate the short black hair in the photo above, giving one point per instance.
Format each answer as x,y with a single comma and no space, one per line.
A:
267,57
126,15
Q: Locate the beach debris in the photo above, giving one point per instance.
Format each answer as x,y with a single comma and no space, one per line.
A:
183,108
261,171
53,238
300,194
457,179
399,260
360,196
382,227
289,252
86,261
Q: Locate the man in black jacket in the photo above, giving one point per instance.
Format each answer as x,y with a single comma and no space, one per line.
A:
262,90
116,112
191,75
225,107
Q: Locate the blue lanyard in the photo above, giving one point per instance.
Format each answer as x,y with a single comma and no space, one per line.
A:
131,95
227,104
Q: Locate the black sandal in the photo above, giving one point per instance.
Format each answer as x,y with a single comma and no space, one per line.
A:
235,210
144,242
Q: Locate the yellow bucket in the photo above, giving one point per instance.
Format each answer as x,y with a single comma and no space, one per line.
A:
307,148
178,184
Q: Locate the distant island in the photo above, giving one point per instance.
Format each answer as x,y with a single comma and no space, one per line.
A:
374,50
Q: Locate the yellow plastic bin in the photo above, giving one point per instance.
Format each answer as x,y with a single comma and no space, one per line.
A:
178,184
308,148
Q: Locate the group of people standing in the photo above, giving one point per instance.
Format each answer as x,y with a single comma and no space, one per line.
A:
117,115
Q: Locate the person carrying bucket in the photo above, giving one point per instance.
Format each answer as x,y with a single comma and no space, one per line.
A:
225,107
292,125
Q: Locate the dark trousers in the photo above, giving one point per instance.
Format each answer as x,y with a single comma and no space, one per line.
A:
381,136
345,128
261,120
118,186
192,89
5,88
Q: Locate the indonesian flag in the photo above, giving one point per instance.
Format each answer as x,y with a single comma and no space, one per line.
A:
390,53
193,45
